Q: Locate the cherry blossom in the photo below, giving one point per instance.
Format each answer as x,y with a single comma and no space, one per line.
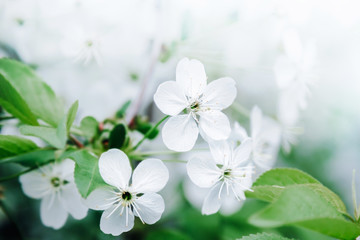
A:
228,174
122,201
54,185
194,106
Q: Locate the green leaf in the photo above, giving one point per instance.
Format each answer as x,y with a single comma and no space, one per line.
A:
272,183
54,136
302,206
71,115
31,159
117,136
284,177
11,100
143,126
121,112
39,97
165,234
13,145
87,175
89,127
263,236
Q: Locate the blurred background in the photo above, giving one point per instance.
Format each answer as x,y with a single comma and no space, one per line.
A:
297,60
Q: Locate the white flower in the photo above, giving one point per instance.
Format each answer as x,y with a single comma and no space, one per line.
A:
202,103
227,175
265,135
122,201
294,75
54,185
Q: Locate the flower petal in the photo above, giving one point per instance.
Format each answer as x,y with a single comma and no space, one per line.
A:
115,168
151,175
256,121
221,151
242,152
214,124
72,201
115,222
100,199
212,202
35,184
170,98
180,133
285,72
239,133
229,204
219,94
66,169
150,206
203,172
239,187
52,212
190,74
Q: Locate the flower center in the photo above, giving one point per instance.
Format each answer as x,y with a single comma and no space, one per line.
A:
89,43
227,172
195,106
126,196
55,181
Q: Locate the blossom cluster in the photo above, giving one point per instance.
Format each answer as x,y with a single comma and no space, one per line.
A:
194,108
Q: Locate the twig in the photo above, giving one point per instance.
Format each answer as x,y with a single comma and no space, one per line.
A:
17,174
149,132
77,142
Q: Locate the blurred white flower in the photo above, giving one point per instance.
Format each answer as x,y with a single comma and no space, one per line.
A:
294,73
289,136
202,103
265,135
227,175
122,201
83,48
54,185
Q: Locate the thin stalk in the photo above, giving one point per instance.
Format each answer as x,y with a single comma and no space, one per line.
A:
11,220
154,153
165,160
149,132
241,109
174,160
77,142
356,213
17,174
6,118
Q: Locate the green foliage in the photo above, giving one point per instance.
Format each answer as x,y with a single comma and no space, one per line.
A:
300,200
165,234
118,136
121,112
272,183
31,159
11,100
14,145
263,236
71,115
87,175
38,96
143,126
56,137
89,127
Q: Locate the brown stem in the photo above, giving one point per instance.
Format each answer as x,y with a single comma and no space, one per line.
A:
77,142
149,72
